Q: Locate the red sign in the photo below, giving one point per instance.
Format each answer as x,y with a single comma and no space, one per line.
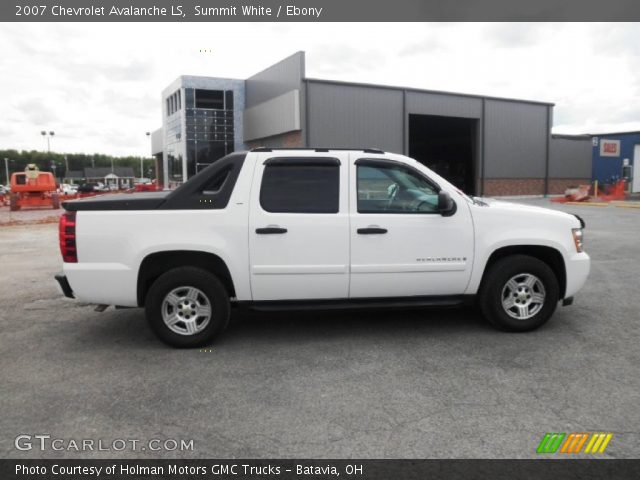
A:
610,148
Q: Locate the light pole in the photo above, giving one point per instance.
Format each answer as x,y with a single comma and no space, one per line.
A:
6,168
48,136
141,167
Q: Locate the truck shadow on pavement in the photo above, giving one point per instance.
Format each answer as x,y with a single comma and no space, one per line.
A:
129,327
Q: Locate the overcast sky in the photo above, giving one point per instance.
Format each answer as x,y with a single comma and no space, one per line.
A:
98,85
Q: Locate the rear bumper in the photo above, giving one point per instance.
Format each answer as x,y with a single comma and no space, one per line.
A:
64,285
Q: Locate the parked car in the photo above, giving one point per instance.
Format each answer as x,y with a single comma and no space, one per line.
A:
69,189
93,187
87,187
317,228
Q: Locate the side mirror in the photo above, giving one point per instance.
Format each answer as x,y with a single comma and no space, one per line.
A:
446,205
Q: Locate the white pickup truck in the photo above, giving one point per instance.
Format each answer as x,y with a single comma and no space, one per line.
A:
316,228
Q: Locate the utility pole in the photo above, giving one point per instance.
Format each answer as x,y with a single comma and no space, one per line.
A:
6,168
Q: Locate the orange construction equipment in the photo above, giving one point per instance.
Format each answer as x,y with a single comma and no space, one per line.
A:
615,191
582,193
145,187
574,194
33,188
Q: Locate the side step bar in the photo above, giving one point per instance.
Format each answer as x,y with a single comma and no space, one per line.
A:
357,303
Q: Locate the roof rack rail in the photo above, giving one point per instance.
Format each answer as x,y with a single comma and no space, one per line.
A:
314,149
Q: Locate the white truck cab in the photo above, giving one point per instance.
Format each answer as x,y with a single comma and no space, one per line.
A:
316,228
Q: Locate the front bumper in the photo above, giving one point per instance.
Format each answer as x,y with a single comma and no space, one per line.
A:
65,288
578,267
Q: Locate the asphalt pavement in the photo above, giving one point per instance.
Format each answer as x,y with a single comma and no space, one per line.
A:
385,384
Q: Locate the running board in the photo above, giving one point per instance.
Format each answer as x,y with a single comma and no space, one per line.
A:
357,303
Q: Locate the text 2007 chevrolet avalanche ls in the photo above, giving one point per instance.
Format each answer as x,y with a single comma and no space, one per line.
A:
278,228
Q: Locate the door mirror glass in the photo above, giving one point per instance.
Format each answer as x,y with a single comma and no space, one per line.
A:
446,205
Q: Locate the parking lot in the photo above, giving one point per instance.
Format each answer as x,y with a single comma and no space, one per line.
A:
385,384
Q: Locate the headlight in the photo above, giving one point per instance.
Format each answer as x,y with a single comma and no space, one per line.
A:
577,239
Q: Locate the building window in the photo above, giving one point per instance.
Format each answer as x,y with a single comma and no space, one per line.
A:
228,100
211,99
298,188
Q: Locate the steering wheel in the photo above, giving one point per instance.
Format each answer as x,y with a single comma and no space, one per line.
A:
418,205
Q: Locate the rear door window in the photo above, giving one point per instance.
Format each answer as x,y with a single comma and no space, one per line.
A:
303,185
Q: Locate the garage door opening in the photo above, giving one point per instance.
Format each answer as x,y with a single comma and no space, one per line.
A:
447,145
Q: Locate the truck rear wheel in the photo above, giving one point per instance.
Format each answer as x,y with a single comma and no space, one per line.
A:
187,307
519,293
55,201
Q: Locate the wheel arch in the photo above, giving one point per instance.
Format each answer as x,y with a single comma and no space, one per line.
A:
549,255
155,264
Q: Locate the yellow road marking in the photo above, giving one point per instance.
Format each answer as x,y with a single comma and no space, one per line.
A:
588,204
627,205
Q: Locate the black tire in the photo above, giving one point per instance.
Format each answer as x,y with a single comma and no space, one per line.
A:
55,201
494,290
187,277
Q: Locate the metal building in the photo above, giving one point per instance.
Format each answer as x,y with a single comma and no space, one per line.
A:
484,145
614,151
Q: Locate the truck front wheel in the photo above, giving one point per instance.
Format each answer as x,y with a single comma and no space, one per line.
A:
519,293
187,307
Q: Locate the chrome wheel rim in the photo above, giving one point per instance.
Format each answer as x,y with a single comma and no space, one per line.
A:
523,296
186,310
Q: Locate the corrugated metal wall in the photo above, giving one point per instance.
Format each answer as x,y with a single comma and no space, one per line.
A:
354,116
276,80
570,157
516,133
516,136
444,104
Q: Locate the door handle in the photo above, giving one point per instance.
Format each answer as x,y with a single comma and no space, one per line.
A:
270,230
371,230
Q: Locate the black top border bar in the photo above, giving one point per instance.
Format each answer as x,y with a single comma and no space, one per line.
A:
318,10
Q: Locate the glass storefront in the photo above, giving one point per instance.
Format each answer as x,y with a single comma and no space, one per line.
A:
173,148
209,127
209,130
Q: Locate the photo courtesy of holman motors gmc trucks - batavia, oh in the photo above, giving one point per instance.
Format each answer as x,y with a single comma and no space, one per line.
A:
316,228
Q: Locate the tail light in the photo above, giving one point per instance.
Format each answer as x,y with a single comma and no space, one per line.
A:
67,234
